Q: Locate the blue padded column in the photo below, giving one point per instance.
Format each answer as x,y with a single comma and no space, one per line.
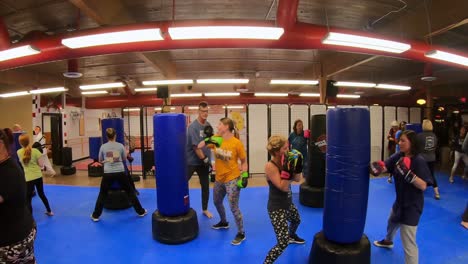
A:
347,174
115,123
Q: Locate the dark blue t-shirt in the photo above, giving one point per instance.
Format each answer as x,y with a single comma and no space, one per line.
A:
298,142
409,202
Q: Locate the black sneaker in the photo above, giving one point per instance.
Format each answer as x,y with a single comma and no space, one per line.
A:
238,239
389,180
294,239
384,243
221,225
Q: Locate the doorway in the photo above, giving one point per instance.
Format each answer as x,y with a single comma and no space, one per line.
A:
53,133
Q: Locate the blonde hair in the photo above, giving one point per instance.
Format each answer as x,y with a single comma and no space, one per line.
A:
231,125
275,143
427,125
24,142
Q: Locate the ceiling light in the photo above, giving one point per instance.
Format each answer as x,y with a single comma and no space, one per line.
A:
221,94
151,34
223,81
295,82
102,86
421,101
160,108
355,84
132,110
334,38
456,111
234,107
393,87
310,94
149,89
187,95
48,90
94,92
445,56
18,52
226,32
167,82
5,95
271,94
349,96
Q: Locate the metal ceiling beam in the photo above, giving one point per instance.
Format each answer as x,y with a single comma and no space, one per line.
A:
27,78
286,14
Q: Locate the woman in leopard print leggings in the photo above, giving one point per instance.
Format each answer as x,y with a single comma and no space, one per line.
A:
280,206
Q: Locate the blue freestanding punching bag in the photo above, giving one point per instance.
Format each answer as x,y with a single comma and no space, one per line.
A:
174,222
346,190
115,123
347,174
414,126
16,136
94,146
171,164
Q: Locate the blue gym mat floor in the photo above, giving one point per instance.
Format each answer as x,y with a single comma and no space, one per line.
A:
121,237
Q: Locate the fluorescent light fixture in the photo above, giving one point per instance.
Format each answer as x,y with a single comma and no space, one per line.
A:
355,84
223,81
393,87
234,107
349,96
445,56
132,110
48,90
330,107
271,94
149,89
5,95
102,86
421,101
226,32
193,107
187,95
310,94
160,108
341,39
295,82
167,82
94,92
18,52
129,36
221,94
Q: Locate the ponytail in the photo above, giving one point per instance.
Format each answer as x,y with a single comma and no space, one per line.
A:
24,142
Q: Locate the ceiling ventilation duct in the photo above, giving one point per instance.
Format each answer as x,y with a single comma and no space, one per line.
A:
72,71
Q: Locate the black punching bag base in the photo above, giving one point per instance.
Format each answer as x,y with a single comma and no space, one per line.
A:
95,171
326,251
175,229
116,200
311,196
68,170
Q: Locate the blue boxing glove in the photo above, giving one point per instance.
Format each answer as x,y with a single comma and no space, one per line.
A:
403,168
243,180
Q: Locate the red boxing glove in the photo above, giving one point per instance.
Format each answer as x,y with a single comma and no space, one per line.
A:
285,175
377,167
403,167
285,170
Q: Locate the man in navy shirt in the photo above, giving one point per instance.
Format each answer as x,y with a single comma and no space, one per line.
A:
412,176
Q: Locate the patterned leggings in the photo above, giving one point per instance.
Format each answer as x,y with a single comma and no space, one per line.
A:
279,219
233,192
21,252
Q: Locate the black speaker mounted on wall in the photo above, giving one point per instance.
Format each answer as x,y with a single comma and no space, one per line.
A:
162,92
332,90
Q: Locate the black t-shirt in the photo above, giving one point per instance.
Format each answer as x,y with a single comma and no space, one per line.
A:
409,202
15,218
278,199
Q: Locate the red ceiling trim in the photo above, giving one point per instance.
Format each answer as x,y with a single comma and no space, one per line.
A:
286,14
301,36
4,36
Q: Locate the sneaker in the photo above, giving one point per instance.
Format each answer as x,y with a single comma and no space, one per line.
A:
294,239
221,225
437,196
238,239
389,180
384,243
451,179
49,213
143,214
95,219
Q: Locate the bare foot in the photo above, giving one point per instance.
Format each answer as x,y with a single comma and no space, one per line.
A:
49,213
207,214
464,224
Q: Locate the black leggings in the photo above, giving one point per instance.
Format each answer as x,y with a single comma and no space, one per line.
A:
430,164
39,184
203,176
279,219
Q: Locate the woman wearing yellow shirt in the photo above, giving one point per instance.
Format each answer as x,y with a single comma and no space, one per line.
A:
227,153
29,158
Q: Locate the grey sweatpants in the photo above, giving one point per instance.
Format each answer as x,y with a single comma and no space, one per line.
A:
408,239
